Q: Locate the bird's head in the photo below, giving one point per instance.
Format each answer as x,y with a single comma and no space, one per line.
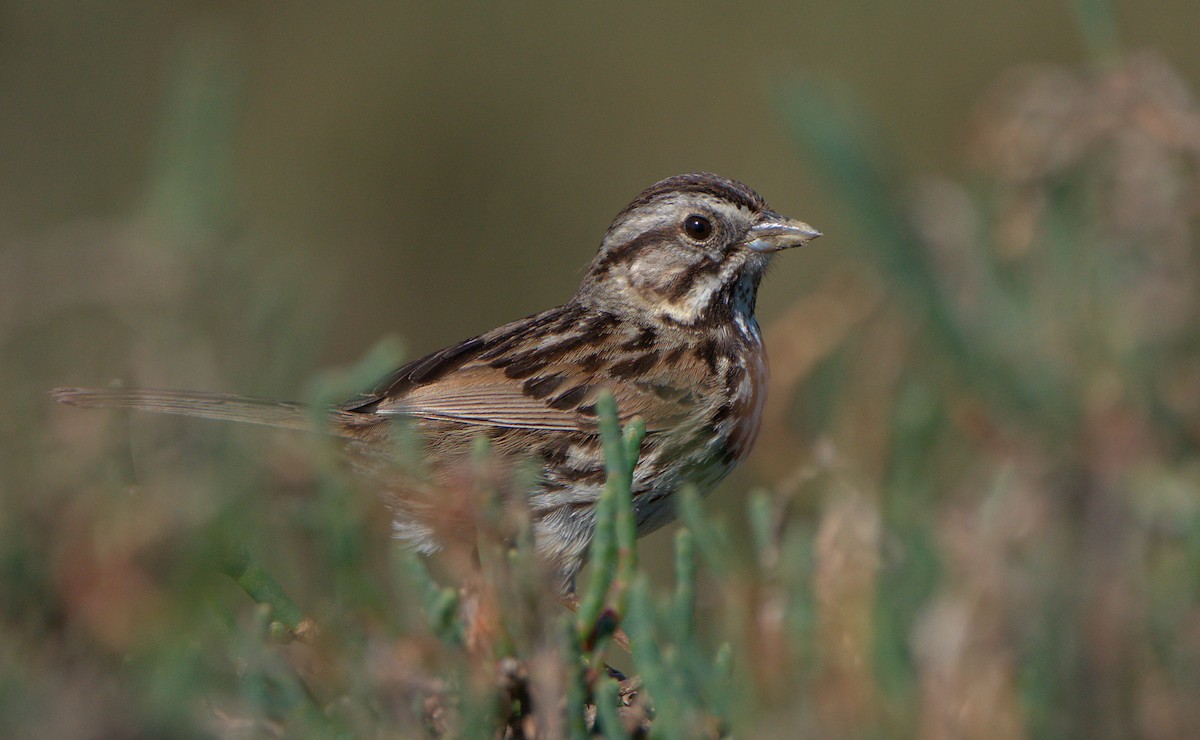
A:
689,250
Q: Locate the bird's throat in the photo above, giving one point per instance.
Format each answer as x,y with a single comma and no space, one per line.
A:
714,298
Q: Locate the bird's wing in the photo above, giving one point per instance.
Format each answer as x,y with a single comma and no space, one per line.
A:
557,398
543,372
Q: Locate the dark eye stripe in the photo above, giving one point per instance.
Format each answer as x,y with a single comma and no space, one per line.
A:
629,251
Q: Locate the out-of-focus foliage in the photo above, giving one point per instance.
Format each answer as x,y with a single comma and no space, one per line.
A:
982,457
1016,538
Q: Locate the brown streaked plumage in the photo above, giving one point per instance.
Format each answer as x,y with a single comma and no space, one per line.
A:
664,319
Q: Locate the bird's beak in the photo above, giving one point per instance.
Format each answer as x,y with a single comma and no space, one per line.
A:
775,232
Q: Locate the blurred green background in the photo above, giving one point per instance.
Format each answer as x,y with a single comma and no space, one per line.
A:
410,155
984,428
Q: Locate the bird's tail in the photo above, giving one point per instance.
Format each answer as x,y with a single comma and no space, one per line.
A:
280,414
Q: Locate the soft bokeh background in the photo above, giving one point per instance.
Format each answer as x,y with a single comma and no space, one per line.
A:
984,431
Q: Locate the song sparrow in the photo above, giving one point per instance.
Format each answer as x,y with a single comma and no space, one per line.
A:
664,319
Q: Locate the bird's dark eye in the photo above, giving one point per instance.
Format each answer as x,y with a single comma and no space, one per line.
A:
697,227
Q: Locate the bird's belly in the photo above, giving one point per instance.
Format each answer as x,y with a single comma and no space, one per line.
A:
702,455
659,476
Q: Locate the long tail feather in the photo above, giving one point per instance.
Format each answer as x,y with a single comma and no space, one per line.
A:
281,414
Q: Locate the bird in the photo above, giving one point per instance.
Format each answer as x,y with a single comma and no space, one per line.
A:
663,319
